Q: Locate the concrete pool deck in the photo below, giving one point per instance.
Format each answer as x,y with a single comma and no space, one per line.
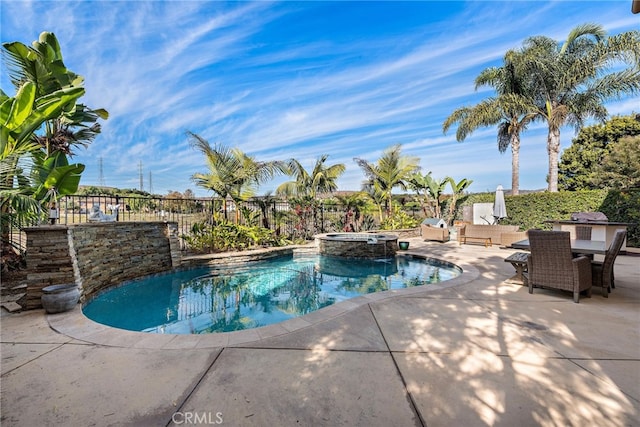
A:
476,351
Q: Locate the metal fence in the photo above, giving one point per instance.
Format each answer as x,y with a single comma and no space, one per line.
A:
287,219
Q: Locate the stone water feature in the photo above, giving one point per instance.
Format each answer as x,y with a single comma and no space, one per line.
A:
357,245
96,256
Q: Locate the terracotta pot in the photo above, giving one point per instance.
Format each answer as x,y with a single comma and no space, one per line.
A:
60,298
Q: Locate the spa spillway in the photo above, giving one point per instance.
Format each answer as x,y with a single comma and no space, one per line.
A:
357,245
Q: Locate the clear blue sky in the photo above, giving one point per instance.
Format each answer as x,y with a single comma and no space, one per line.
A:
298,79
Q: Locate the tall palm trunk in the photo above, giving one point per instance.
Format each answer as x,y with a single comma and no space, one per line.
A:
515,164
553,149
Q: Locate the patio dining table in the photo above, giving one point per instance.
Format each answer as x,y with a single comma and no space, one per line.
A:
596,247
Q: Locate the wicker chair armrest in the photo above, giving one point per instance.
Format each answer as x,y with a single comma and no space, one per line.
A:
582,271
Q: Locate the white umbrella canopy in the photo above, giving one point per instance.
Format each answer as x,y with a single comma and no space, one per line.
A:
499,207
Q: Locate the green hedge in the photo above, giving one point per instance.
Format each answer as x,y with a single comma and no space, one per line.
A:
533,209
624,206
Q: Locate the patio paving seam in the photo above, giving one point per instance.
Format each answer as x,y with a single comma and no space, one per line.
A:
337,350
195,387
34,359
414,405
611,359
58,344
573,360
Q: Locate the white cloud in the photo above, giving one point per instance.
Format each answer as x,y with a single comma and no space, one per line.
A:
277,81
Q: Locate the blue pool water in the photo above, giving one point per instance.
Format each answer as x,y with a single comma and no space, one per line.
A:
205,301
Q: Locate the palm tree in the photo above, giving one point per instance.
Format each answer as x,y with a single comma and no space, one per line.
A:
377,195
391,170
511,110
221,165
321,179
264,204
232,173
307,185
571,81
353,206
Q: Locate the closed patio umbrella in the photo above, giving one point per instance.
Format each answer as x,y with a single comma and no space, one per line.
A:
499,207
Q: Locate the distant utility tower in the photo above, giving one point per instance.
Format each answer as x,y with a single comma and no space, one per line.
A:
140,175
150,184
101,176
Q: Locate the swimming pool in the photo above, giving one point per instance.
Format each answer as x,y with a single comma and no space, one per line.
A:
202,300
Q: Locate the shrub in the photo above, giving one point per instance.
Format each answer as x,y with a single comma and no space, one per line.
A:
624,206
399,220
226,236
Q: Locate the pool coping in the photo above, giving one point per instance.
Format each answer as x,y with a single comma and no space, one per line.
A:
75,325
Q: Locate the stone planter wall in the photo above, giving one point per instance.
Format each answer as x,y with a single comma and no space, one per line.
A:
405,233
48,261
221,261
98,255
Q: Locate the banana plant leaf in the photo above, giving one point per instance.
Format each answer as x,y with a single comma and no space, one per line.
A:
64,179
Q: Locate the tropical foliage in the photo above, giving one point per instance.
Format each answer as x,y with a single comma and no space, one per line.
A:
429,191
392,170
398,219
510,110
557,83
34,169
571,81
322,178
354,212
302,191
232,173
457,196
224,235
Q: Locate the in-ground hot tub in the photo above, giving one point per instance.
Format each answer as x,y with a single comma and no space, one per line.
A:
357,245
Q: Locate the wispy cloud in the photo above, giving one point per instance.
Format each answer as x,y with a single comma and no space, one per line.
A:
297,79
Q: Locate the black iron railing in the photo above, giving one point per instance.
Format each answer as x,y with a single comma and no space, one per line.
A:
290,220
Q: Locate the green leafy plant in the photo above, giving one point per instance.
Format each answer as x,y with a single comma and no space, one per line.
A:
398,219
34,170
222,236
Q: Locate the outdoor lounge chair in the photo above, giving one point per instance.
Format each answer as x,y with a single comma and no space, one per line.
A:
603,270
551,264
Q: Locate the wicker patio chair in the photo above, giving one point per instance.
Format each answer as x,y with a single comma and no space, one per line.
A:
603,270
551,264
583,232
